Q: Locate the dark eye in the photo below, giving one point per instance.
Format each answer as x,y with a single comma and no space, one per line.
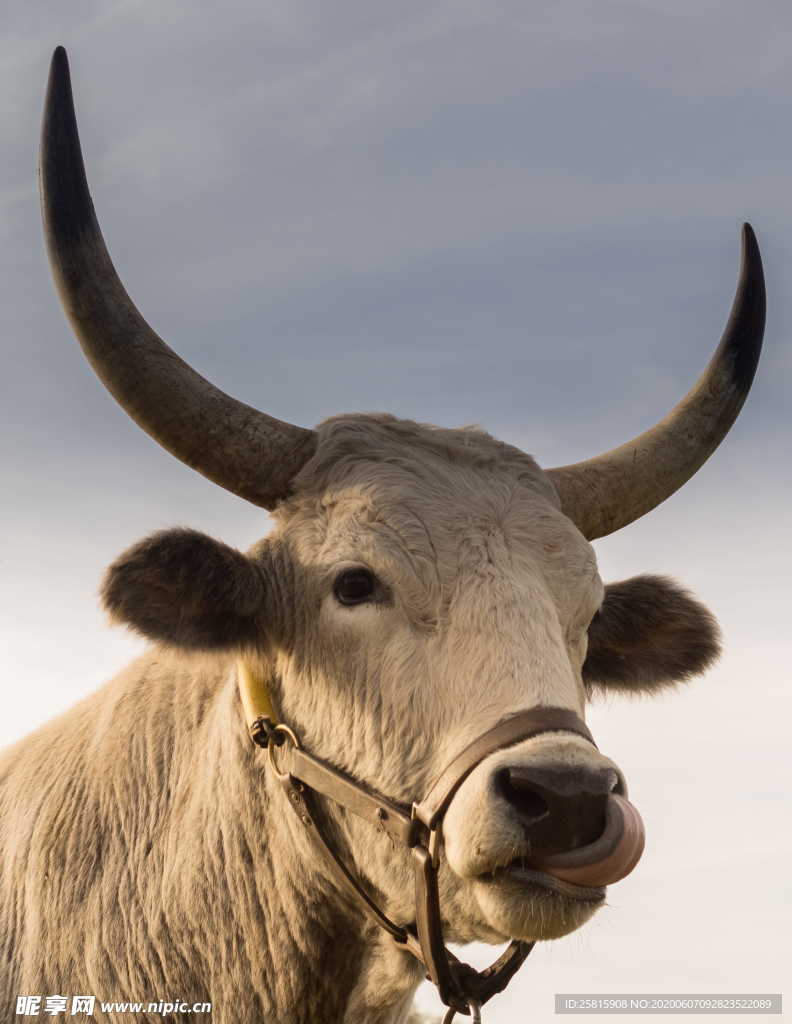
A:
354,586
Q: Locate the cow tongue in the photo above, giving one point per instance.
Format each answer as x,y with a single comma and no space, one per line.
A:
608,859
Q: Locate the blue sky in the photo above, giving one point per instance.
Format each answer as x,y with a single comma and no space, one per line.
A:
521,215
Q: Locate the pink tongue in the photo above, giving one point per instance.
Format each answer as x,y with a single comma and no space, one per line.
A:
608,859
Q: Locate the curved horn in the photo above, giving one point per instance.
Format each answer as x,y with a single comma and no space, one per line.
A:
245,451
614,489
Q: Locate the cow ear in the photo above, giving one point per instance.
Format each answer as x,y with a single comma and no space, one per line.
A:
186,589
649,633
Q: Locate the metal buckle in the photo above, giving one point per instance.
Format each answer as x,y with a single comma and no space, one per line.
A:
426,836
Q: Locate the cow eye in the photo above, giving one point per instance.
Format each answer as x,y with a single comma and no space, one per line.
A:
354,586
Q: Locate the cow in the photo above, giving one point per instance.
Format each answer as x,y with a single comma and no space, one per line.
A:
422,590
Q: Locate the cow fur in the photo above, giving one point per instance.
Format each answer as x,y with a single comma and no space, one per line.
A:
185,589
648,633
147,852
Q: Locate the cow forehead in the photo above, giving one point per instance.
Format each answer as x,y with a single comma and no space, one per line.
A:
348,445
433,503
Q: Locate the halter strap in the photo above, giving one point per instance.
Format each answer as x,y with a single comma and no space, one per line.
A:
301,774
521,726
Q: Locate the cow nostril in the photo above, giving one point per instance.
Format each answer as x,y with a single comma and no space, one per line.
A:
530,805
560,807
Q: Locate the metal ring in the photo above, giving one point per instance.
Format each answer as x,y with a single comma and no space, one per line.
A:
475,1013
285,731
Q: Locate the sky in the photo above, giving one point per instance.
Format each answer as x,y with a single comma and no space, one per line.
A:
523,215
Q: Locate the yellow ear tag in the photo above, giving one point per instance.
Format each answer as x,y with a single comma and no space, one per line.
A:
255,695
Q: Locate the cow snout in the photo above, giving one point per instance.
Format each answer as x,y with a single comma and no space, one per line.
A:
540,830
547,807
559,808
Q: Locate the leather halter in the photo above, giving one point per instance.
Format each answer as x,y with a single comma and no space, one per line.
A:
419,828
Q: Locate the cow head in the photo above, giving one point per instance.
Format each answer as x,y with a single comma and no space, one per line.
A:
420,585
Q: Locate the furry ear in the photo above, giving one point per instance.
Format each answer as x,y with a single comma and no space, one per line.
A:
186,589
649,633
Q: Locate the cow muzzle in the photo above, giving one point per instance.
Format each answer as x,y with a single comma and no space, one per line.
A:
543,819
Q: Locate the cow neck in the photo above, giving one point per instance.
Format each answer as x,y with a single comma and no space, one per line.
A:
418,829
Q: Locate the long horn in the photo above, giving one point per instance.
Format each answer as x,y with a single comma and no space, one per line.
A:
614,489
245,451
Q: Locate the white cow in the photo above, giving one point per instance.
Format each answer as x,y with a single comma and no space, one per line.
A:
421,587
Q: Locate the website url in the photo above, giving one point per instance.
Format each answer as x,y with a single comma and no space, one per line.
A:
161,1008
